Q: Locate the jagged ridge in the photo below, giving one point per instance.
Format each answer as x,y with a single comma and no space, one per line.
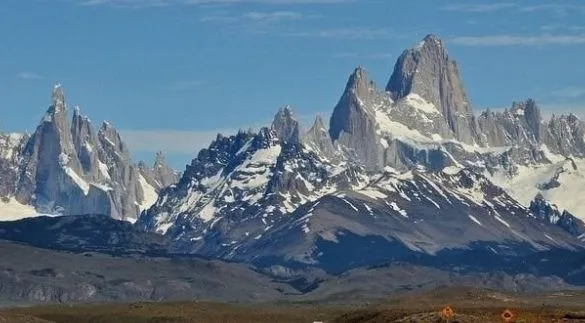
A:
69,168
410,167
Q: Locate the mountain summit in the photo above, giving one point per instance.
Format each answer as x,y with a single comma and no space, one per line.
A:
352,123
68,168
286,126
427,71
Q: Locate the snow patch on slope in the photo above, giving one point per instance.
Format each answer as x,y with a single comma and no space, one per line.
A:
150,195
10,142
80,182
373,193
207,213
258,168
104,170
396,208
474,219
13,210
416,101
398,130
530,180
350,205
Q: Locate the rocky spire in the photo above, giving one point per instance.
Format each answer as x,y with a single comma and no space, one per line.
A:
49,157
353,123
318,125
428,71
57,111
318,138
55,126
159,160
420,70
125,176
162,172
533,118
160,175
86,144
360,84
358,90
285,125
58,99
65,167
109,136
564,134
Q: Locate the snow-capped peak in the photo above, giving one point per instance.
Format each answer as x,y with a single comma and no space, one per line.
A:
58,98
286,126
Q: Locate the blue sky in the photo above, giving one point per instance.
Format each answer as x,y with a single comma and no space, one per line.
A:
171,73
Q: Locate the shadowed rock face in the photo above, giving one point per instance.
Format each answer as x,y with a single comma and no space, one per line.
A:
349,111
81,233
550,213
353,122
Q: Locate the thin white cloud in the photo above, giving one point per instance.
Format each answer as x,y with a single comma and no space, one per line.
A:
562,108
166,3
378,56
136,4
362,56
474,7
185,85
345,55
272,16
260,22
562,27
172,141
30,76
516,40
222,19
256,18
345,33
280,23
557,8
276,2
571,92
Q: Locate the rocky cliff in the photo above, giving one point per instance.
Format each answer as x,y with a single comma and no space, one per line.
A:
67,167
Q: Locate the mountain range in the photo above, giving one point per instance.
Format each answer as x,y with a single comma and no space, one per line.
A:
409,169
409,173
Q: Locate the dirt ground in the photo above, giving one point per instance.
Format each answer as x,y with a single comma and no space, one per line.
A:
468,306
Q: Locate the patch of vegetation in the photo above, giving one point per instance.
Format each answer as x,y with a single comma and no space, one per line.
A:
290,313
